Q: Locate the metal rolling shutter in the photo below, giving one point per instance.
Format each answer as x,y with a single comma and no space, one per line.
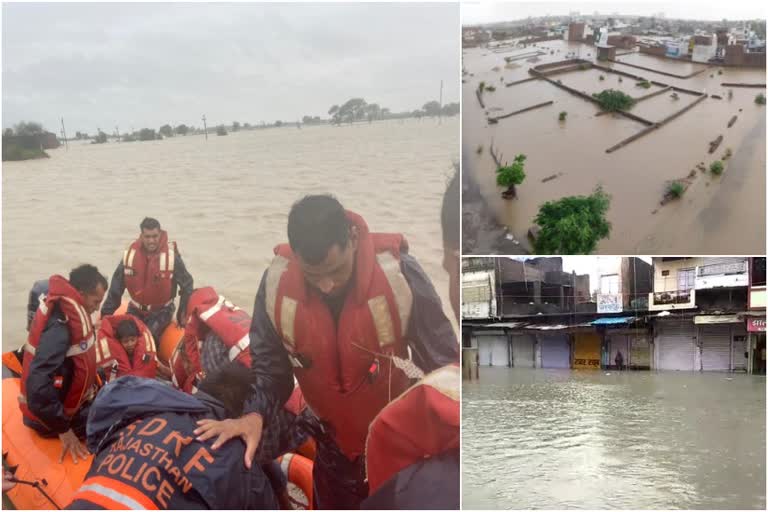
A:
739,336
640,352
715,347
675,344
484,347
586,351
555,352
522,351
500,353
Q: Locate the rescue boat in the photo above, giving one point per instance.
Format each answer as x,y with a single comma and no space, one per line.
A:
43,483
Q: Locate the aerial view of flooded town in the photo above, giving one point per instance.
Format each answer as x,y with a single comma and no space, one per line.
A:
612,133
605,382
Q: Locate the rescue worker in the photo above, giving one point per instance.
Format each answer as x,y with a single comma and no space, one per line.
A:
216,334
151,270
341,309
412,450
146,457
126,347
58,377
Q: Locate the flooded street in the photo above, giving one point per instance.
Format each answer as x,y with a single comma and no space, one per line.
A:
712,211
560,439
224,201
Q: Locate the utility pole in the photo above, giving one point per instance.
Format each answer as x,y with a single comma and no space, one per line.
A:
64,134
440,115
205,128
117,132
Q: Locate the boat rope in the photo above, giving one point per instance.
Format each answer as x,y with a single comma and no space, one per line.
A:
36,485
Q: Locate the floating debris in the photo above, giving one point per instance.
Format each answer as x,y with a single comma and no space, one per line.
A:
733,120
715,143
552,177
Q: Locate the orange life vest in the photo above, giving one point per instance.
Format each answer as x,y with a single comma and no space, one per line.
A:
423,422
209,311
81,340
111,355
346,371
149,277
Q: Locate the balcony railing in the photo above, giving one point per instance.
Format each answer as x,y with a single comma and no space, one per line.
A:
736,267
675,297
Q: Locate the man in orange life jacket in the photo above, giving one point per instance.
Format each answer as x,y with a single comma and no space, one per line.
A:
341,309
58,379
151,270
412,450
145,456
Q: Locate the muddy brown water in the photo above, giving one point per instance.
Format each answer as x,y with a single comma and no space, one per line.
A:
569,439
717,215
224,201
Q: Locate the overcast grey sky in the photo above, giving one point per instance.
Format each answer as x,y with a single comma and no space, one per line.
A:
486,12
144,65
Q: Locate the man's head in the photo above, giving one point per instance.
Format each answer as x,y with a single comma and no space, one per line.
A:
450,217
324,241
150,234
231,385
92,286
127,334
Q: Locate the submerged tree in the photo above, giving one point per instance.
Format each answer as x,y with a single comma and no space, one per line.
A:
573,225
612,100
166,130
510,176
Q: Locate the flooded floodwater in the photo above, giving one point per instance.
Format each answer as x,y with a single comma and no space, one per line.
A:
224,201
562,439
717,215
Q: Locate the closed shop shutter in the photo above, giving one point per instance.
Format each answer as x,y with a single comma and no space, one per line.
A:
500,354
522,351
739,357
715,347
484,347
639,352
586,351
555,352
675,343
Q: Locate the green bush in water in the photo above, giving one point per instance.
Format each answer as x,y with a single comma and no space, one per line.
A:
612,100
514,174
563,115
573,225
645,84
490,88
760,99
716,167
675,189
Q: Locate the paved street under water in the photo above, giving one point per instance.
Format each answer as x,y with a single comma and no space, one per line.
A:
559,439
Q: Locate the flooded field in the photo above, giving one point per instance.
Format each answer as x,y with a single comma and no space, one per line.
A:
717,215
224,201
564,439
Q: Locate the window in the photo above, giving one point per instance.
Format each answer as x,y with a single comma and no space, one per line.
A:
685,279
758,271
609,285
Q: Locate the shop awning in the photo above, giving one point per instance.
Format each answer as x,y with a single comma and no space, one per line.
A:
615,320
717,319
555,327
505,325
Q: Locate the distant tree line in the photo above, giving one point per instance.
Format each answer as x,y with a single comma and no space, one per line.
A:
357,109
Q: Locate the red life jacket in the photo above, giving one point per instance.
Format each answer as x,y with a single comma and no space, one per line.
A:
346,371
209,311
149,277
81,340
111,355
423,422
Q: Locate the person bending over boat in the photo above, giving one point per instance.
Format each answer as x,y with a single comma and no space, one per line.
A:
58,378
124,346
341,309
152,270
146,457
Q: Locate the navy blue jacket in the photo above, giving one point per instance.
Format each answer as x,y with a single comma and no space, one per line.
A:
140,431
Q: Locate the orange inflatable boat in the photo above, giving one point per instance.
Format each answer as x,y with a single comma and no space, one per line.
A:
46,484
